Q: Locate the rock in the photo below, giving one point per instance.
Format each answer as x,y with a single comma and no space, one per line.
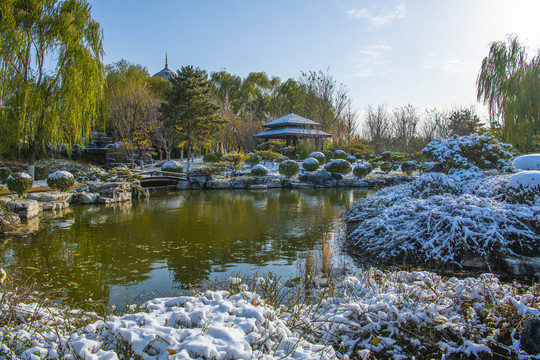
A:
476,263
258,187
138,192
105,200
239,184
301,185
183,185
109,188
54,205
86,198
273,182
51,196
198,181
346,183
318,177
522,266
25,208
8,220
218,184
530,336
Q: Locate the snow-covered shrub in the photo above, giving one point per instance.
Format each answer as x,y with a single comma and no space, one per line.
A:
408,167
524,188
389,161
483,151
430,184
340,154
328,155
172,166
60,180
443,230
338,166
211,158
289,168
268,155
527,162
310,164
319,156
362,170
253,159
460,175
94,173
19,183
358,156
259,170
488,187
351,159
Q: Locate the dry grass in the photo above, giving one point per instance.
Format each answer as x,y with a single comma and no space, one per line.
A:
326,255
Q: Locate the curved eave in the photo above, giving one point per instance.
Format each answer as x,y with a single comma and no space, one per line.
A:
292,133
291,120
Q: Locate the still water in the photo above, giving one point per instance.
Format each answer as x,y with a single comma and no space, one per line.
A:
160,246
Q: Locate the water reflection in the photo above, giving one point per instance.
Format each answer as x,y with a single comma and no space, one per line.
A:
173,240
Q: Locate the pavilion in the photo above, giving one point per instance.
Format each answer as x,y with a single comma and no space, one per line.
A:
294,127
166,73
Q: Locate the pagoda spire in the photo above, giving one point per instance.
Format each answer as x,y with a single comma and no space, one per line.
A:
166,65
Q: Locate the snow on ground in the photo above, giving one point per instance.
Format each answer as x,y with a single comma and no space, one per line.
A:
389,314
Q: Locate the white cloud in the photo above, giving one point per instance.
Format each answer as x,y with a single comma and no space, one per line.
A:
379,18
449,64
371,61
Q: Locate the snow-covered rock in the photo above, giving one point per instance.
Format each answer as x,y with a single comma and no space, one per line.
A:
527,162
26,208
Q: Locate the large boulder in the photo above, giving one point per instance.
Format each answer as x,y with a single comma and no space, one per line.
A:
110,192
218,184
86,198
8,220
51,196
25,208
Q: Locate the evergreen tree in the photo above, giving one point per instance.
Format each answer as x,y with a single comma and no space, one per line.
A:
51,74
188,110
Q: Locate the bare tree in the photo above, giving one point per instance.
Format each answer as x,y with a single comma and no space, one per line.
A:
325,100
405,122
378,127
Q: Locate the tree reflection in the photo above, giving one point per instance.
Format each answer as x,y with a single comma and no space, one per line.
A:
85,252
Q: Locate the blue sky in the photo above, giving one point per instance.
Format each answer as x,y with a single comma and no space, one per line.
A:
423,52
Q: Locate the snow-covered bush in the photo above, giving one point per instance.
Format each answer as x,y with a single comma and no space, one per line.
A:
19,183
319,156
527,162
340,154
259,170
362,170
310,164
338,166
253,159
351,159
328,155
268,155
289,168
524,188
430,184
408,167
483,151
172,166
60,180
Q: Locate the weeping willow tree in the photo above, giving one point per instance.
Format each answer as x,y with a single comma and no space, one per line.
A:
510,86
51,73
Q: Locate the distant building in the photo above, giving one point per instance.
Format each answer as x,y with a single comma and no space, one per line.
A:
166,73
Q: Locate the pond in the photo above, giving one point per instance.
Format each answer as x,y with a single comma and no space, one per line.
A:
163,245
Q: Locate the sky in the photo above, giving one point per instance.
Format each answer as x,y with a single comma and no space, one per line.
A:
421,52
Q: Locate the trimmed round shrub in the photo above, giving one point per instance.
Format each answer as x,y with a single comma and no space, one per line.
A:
19,183
358,156
527,162
430,184
351,159
338,166
408,167
60,180
319,156
211,158
524,188
340,154
172,166
253,159
259,170
289,168
328,154
362,170
310,164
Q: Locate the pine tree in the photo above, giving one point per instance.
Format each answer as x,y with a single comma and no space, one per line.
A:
188,110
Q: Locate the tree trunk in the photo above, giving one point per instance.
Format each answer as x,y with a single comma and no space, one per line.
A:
188,154
160,154
32,151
